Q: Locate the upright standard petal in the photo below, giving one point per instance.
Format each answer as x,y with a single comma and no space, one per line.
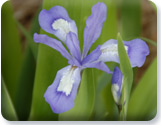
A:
136,49
61,94
57,45
72,43
116,82
94,25
56,21
93,56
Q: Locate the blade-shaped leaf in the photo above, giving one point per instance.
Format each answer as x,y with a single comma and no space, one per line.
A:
105,108
7,107
11,49
25,85
35,27
29,37
143,102
27,74
127,77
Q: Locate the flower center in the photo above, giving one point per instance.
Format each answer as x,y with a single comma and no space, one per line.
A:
62,25
110,52
67,81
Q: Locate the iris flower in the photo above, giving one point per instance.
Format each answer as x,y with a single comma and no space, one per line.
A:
62,92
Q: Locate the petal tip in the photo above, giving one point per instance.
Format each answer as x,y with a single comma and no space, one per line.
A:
35,37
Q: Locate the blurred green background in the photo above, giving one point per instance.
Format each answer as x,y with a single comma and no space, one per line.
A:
28,69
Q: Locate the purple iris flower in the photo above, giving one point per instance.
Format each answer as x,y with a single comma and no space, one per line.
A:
62,92
116,84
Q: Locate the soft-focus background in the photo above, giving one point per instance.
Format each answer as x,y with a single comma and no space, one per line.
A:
28,69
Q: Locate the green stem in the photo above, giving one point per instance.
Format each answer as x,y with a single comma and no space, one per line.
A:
123,109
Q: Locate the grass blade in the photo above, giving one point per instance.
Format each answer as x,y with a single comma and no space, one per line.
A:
127,77
27,73
143,102
29,37
25,85
11,49
7,107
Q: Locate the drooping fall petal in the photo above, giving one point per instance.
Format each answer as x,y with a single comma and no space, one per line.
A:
62,92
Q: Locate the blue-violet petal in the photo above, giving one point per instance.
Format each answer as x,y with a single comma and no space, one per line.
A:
62,92
94,24
56,21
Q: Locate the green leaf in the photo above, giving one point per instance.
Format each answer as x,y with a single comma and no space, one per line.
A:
25,85
84,102
127,77
111,108
27,74
130,19
35,27
99,108
11,50
7,107
105,108
29,37
143,102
